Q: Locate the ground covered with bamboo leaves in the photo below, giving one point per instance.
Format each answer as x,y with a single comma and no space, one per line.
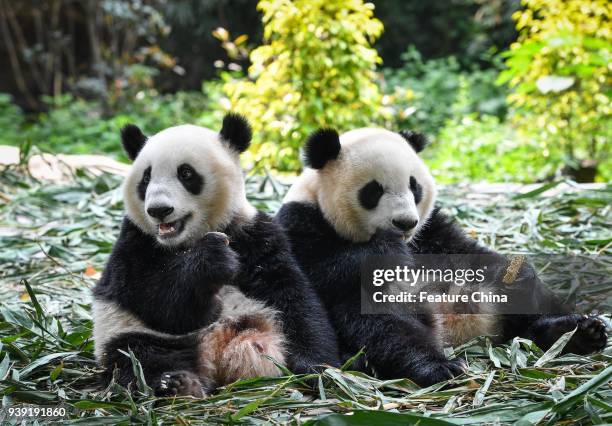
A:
54,240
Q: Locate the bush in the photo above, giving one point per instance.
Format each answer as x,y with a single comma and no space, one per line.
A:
559,69
315,69
423,94
483,148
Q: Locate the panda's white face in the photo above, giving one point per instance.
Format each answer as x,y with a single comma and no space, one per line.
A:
378,182
184,183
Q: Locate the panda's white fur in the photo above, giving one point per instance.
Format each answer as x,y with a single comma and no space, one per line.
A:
223,200
110,320
366,154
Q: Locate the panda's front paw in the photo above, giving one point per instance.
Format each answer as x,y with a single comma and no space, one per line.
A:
433,371
179,383
223,262
590,336
216,238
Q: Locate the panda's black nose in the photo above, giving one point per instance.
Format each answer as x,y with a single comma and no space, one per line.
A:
160,212
404,224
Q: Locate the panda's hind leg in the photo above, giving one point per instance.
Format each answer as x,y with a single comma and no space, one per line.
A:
179,383
169,363
239,347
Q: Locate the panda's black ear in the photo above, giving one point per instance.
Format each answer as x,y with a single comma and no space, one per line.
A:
132,139
417,141
236,131
322,146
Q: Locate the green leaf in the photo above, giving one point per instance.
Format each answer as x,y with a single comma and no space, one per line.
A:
378,418
352,359
480,393
603,378
34,397
537,191
555,349
44,361
90,404
247,409
56,371
4,366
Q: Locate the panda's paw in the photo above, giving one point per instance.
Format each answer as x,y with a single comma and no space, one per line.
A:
433,371
179,383
217,238
590,336
222,259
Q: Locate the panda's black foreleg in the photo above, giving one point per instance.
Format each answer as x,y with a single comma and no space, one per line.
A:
170,365
271,275
170,290
311,340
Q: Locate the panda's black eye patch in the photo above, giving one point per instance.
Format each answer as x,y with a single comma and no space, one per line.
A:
370,194
144,183
191,180
417,190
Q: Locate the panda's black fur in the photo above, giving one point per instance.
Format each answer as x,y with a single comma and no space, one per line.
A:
407,345
269,273
173,293
395,346
132,139
322,146
236,130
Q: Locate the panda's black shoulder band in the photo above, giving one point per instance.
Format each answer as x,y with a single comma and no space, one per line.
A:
132,139
236,131
418,141
322,146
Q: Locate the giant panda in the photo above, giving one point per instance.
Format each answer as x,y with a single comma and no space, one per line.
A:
367,193
200,286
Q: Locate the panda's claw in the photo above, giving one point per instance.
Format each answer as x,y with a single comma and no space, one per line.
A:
461,364
179,383
438,370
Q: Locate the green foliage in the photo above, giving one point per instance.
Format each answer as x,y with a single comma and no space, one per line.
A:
423,94
559,69
484,149
466,29
11,120
315,69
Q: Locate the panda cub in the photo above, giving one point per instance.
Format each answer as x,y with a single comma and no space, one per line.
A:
201,286
367,193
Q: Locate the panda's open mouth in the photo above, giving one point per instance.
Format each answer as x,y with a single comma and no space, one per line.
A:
172,229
